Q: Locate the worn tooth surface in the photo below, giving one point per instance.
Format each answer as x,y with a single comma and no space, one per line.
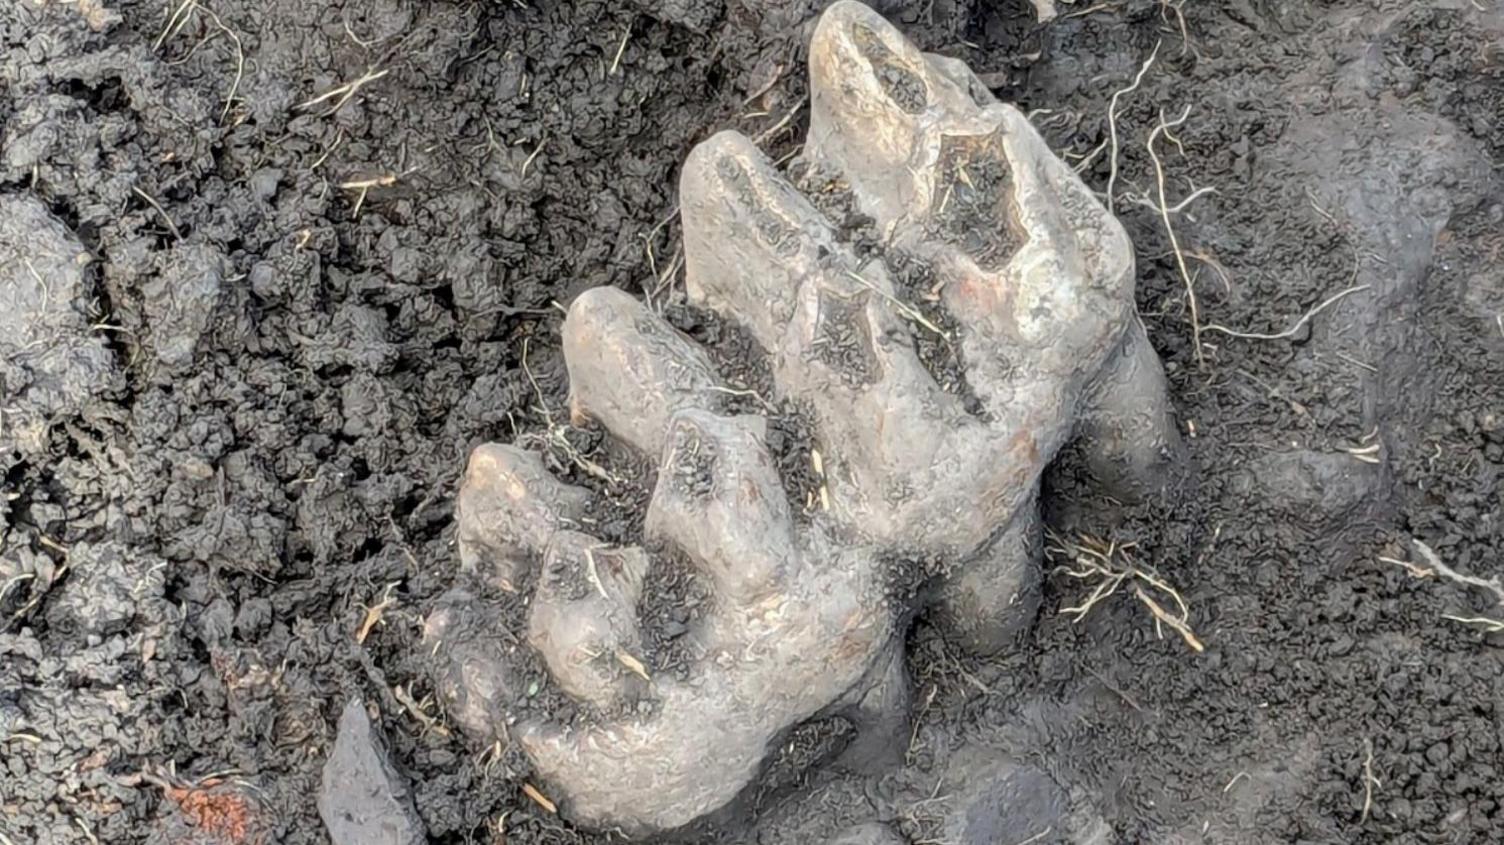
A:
584,619
750,239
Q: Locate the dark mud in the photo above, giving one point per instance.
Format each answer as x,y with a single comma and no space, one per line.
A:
229,512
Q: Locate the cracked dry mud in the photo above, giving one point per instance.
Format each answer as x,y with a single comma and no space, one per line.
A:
1033,282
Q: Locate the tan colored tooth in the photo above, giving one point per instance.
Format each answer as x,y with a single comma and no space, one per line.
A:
793,612
719,501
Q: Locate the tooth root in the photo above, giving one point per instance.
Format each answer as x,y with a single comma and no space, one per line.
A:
988,605
1126,429
630,370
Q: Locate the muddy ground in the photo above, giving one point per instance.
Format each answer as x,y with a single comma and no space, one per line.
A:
316,236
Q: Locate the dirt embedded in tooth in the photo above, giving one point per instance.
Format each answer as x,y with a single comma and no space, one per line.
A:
843,338
915,282
693,461
675,598
903,86
747,369
973,200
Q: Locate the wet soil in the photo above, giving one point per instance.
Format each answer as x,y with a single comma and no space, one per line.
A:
325,243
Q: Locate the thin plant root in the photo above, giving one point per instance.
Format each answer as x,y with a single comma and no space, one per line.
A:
1299,324
1369,781
1163,128
1112,124
1109,567
1434,566
558,434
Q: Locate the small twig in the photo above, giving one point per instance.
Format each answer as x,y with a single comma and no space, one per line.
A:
1112,123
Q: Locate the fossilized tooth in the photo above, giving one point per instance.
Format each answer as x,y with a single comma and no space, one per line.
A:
907,464
1039,282
608,337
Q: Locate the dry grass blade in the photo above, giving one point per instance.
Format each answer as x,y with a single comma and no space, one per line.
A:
902,307
343,94
539,798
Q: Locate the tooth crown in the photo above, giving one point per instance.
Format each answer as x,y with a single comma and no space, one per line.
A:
805,619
